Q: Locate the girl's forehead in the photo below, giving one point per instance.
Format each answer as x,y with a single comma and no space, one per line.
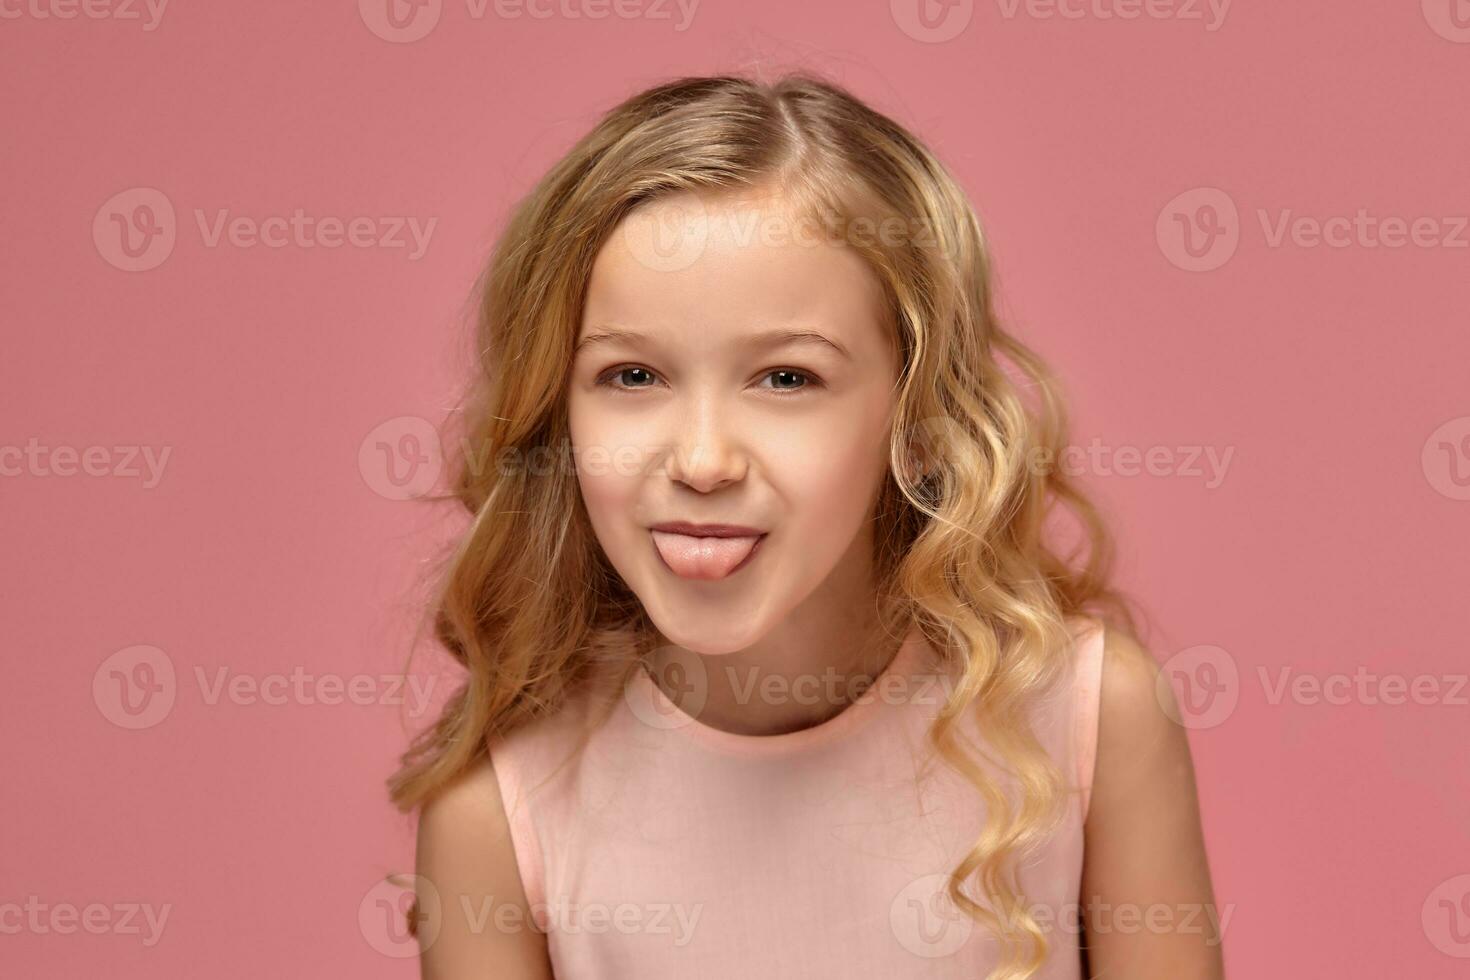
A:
756,218
728,263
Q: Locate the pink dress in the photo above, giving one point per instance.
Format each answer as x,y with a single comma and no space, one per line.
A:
670,849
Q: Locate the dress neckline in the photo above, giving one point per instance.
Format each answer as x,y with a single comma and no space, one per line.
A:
889,689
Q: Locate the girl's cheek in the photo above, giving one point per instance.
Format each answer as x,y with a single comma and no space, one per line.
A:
836,457
611,464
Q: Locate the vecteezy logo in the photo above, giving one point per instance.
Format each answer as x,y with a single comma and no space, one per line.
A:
1446,458
685,674
1446,916
1199,686
925,920
932,21
135,687
383,915
1450,19
667,235
401,459
400,21
135,229
1198,230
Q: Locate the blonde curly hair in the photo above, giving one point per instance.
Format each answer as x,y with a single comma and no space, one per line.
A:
530,606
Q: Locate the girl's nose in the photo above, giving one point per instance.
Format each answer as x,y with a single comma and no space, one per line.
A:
704,456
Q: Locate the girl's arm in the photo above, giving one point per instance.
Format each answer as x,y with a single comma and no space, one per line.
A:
464,850
1147,903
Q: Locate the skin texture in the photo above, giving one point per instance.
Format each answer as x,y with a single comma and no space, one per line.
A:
723,434
464,849
1144,845
712,438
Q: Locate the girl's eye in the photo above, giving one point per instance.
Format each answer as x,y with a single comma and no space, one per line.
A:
639,373
789,374
631,376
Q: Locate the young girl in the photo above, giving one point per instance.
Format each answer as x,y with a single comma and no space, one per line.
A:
774,669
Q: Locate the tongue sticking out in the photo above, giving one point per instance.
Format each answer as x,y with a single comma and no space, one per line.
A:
705,558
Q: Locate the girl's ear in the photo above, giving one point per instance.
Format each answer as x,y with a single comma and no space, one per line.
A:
928,442
917,461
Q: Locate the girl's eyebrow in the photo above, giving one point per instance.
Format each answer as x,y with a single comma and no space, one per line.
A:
767,339
771,339
609,336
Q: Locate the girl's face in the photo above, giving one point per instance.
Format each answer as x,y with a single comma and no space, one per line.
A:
743,378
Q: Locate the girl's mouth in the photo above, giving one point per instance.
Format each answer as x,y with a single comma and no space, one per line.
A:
708,558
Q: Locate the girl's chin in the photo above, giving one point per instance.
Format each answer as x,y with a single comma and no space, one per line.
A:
708,643
709,636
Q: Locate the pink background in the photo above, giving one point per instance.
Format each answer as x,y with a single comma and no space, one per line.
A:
1334,543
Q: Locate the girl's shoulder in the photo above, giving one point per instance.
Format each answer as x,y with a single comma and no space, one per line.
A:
1081,689
1139,739
1107,704
1132,694
465,851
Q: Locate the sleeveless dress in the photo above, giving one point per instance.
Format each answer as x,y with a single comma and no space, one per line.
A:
666,848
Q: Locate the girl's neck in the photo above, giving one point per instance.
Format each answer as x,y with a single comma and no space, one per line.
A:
800,674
